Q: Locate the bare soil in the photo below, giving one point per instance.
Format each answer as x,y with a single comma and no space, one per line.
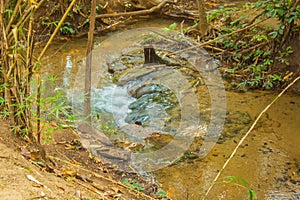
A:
61,169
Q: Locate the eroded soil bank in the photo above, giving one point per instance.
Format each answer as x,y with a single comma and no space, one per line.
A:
64,170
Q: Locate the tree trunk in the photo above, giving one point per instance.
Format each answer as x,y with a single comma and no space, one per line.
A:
88,71
203,25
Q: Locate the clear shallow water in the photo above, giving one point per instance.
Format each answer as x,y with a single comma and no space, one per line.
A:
115,100
268,160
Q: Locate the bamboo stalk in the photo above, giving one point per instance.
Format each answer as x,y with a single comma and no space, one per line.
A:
25,18
56,30
38,96
26,88
14,14
5,64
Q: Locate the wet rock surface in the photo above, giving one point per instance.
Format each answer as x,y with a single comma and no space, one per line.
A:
162,114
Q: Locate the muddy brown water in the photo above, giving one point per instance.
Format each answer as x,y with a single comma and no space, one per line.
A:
269,159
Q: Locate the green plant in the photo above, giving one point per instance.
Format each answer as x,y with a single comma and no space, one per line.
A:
68,179
254,51
241,183
17,63
128,5
133,185
272,80
150,37
287,13
109,127
192,27
70,14
172,27
8,12
78,8
67,29
55,104
222,13
284,54
48,133
48,23
162,194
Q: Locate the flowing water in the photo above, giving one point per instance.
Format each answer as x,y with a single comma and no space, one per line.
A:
268,159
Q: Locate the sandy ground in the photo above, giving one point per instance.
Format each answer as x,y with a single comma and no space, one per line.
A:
67,172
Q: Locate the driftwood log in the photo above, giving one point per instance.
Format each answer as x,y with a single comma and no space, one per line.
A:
145,4
119,4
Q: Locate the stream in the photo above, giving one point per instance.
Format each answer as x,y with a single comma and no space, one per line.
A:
144,109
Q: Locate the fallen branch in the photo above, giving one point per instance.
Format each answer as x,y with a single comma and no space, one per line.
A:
252,48
105,29
89,188
216,39
97,175
248,132
140,12
217,49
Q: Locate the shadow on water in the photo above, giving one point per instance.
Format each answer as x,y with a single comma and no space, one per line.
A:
268,160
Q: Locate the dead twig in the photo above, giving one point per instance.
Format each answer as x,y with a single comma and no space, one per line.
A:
251,48
97,175
217,49
254,18
90,188
105,29
134,13
248,132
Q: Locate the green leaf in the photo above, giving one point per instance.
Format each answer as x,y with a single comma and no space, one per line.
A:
230,179
234,22
273,34
161,194
252,194
173,26
244,182
47,140
126,181
39,163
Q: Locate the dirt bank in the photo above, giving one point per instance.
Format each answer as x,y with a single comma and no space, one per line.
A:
66,172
